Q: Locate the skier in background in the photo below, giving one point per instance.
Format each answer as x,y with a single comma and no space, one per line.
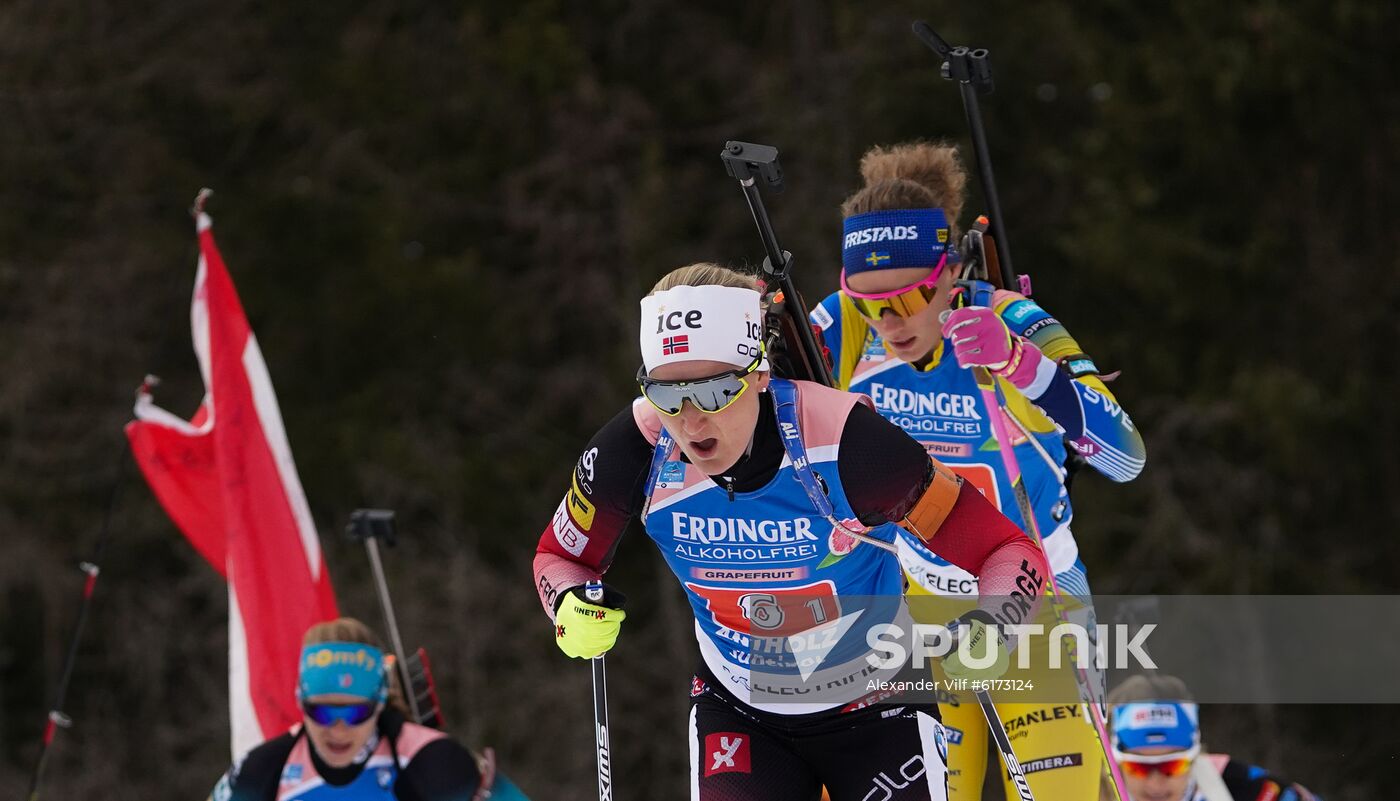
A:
354,742
896,336
1157,742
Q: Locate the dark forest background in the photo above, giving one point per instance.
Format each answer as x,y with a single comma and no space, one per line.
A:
440,218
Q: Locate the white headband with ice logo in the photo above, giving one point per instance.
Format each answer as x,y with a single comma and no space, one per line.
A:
701,323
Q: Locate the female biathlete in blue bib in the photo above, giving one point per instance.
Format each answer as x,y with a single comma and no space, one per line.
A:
895,337
354,743
1157,741
747,484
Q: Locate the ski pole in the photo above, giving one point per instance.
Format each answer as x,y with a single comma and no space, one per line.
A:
1008,756
995,403
593,591
1208,782
371,525
57,718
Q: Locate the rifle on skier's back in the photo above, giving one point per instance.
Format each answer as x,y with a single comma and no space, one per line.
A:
793,347
986,250
414,670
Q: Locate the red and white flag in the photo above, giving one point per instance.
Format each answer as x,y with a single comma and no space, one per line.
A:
227,479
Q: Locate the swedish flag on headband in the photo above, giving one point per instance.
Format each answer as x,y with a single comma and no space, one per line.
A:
907,238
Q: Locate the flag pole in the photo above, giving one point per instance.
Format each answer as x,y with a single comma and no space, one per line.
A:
200,198
226,477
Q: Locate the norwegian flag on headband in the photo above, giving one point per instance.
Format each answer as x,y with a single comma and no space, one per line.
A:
675,344
227,479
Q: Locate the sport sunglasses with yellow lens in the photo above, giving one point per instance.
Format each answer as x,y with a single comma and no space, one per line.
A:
905,302
710,395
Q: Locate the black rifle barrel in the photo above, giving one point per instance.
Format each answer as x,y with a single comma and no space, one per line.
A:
972,70
747,162
779,261
989,181
370,526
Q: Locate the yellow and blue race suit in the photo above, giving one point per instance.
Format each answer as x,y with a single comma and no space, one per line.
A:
940,406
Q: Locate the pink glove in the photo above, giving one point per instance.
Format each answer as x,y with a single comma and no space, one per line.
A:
981,339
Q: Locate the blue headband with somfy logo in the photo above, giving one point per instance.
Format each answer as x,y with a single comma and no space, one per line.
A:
342,668
894,238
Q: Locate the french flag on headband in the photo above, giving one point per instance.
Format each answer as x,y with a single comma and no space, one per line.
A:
227,479
676,344
1156,723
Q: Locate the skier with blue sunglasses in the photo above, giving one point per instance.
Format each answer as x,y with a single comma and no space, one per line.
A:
354,742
